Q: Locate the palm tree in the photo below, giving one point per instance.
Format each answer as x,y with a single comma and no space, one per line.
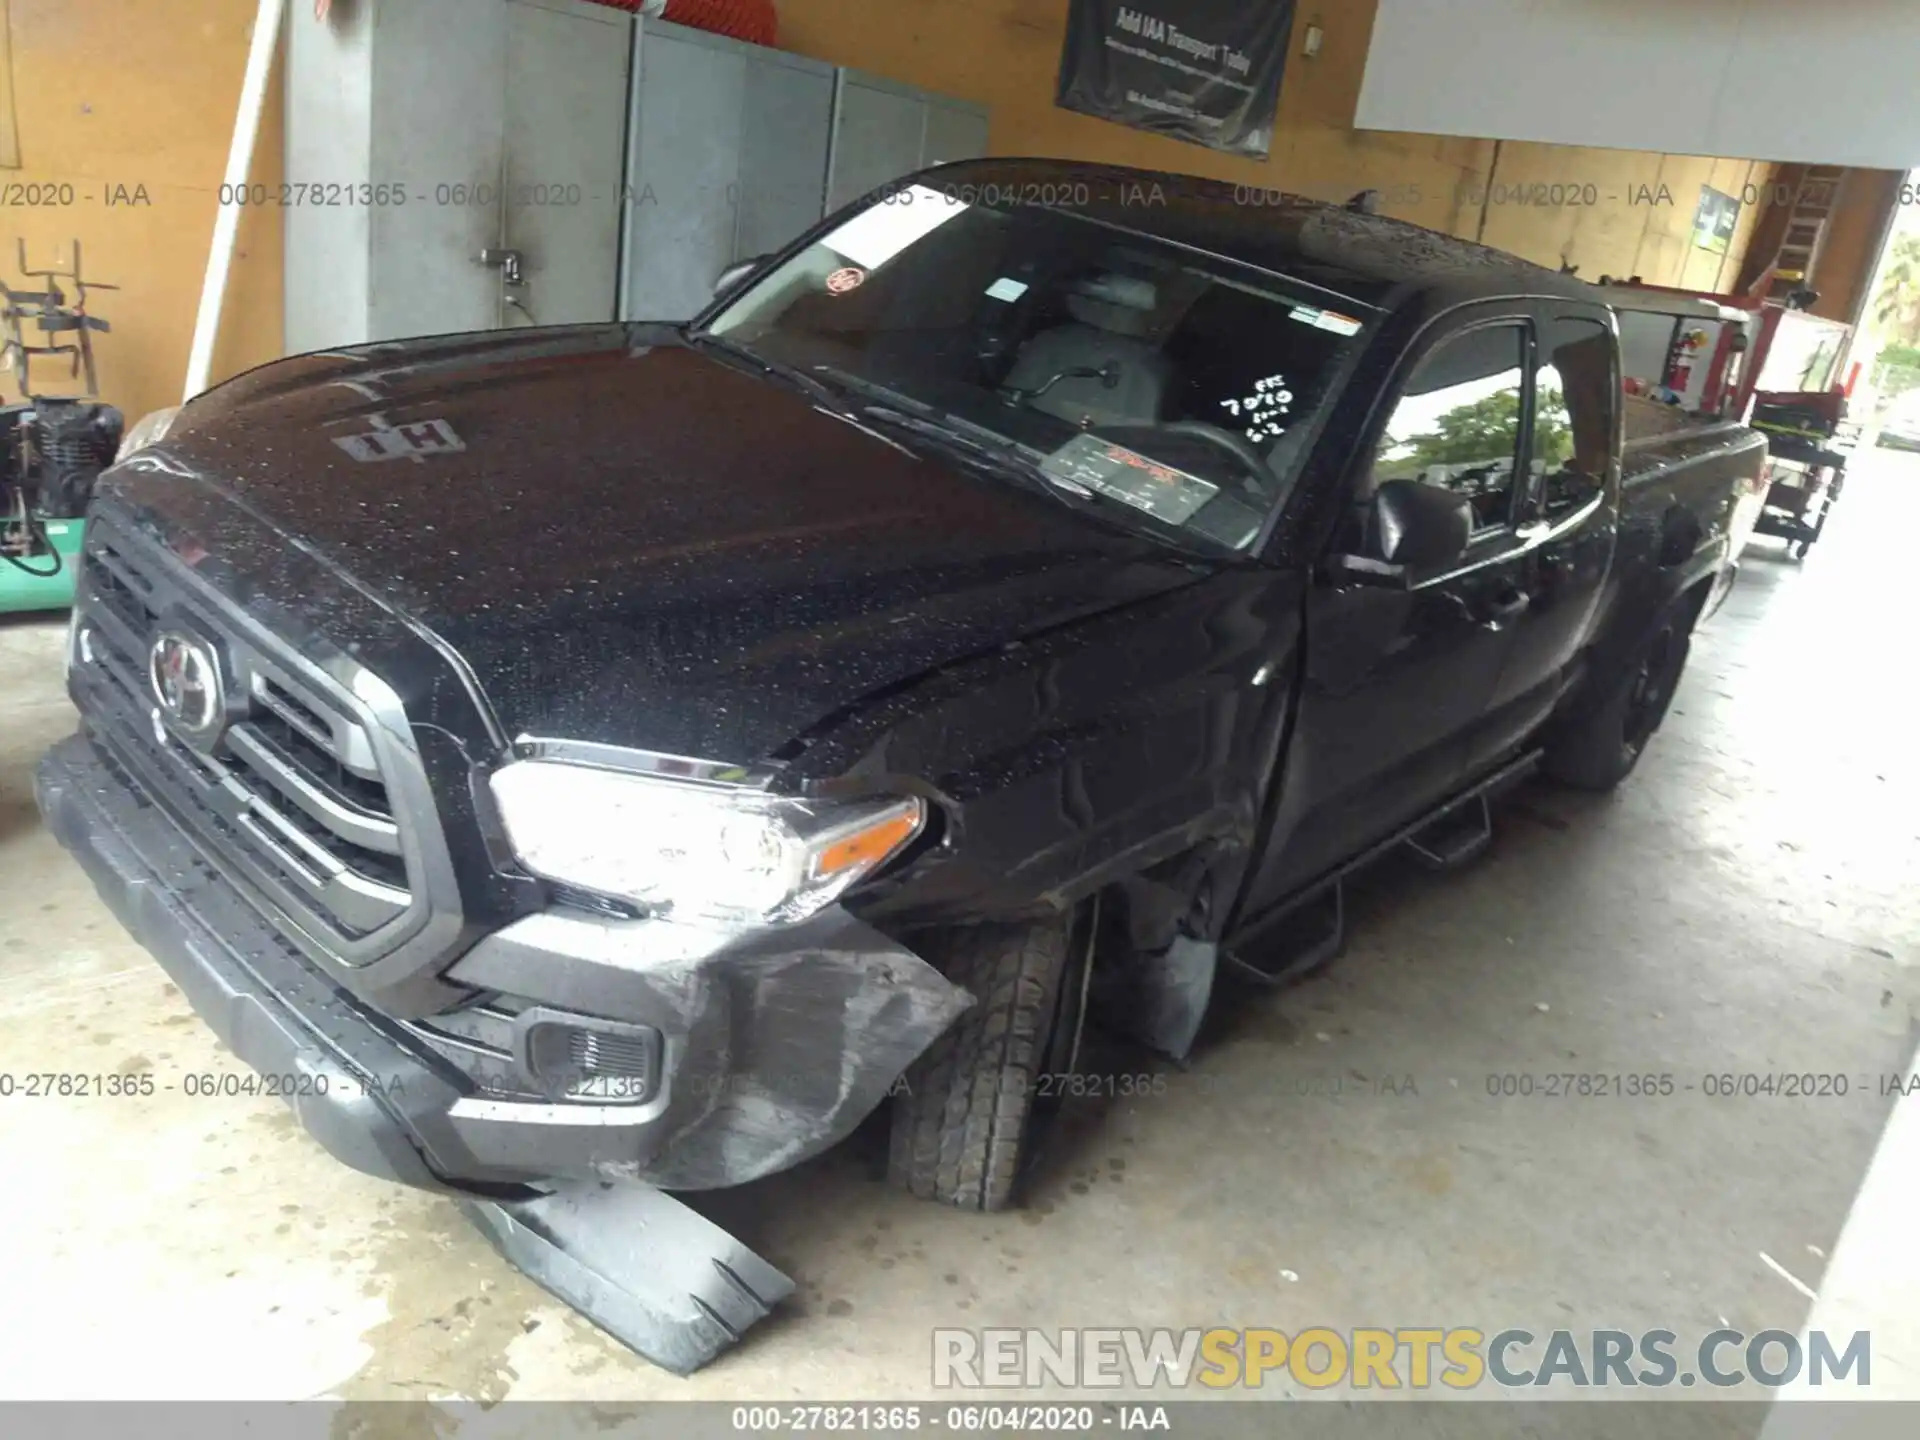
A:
1896,309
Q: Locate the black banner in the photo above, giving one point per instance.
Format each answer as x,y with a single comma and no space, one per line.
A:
1211,76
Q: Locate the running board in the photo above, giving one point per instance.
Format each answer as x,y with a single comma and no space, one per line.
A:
1309,937
1457,838
1507,776
654,1274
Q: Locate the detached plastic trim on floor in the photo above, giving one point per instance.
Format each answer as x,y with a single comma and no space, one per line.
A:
657,1276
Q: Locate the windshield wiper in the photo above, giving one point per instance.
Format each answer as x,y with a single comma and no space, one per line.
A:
999,454
1007,457
872,389
904,412
794,377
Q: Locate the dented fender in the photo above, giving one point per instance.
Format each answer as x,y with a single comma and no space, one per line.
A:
1145,741
1081,756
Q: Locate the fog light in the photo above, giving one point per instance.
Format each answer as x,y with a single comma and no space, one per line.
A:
599,1062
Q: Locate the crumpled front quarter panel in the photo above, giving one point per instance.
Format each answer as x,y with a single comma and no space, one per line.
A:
1085,754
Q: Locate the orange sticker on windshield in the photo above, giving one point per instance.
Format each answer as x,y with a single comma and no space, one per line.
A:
844,279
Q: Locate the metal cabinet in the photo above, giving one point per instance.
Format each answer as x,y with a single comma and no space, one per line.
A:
472,164
883,130
726,158
451,166
561,168
735,149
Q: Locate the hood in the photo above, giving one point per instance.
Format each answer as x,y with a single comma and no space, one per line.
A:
633,542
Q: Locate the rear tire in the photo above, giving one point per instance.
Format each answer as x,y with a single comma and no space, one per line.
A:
962,1124
1600,749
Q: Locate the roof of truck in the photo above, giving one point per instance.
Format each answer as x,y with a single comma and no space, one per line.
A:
1367,257
1669,302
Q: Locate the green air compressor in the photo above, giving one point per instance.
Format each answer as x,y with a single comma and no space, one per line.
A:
52,447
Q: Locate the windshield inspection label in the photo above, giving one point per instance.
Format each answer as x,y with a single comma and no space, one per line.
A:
1130,477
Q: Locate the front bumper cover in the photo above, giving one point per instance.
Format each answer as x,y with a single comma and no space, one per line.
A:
776,1044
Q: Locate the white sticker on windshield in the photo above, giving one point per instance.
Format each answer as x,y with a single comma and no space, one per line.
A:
1325,319
884,229
1007,288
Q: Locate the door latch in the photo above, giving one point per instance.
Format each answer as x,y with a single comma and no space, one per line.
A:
510,264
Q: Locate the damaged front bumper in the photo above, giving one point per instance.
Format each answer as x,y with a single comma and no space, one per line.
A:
761,1048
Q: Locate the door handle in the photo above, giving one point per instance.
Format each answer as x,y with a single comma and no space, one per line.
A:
510,263
1507,609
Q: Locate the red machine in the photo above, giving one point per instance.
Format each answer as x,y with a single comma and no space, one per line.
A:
754,20
1754,360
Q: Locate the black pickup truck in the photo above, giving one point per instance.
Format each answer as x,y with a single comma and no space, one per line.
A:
640,752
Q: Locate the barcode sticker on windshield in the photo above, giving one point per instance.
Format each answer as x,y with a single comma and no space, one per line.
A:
1164,492
887,227
1325,319
1007,288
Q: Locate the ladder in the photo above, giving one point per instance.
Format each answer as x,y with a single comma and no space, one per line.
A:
1816,194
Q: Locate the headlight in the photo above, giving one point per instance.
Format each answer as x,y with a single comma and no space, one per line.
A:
148,430
711,851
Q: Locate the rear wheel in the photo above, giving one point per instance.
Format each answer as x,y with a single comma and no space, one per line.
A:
1600,749
964,1123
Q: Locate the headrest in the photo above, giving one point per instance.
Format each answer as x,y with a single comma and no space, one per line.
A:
1123,304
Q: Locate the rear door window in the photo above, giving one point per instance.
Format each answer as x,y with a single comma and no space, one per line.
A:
1457,423
1573,415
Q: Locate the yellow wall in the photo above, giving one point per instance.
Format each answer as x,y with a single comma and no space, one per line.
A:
141,93
1005,54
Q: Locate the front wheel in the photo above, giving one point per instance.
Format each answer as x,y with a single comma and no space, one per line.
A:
1600,748
963,1121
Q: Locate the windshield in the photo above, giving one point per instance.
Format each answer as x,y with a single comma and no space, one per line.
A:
1174,391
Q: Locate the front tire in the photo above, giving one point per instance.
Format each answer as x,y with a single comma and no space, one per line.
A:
1602,747
963,1122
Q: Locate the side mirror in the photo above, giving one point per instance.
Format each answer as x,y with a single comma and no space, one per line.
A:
731,277
1410,528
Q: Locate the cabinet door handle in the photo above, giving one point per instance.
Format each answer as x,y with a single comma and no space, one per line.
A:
510,263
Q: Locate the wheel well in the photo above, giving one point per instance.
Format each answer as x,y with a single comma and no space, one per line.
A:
1679,536
1604,666
1695,598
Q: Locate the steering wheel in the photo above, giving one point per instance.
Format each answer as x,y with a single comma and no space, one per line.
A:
1238,446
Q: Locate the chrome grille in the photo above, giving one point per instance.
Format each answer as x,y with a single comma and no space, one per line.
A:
291,792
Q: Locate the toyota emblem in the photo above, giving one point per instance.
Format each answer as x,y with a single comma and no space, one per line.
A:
186,681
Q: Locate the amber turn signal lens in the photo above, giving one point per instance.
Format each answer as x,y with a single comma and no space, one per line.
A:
866,848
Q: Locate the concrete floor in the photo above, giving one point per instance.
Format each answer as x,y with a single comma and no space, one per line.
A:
1747,903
